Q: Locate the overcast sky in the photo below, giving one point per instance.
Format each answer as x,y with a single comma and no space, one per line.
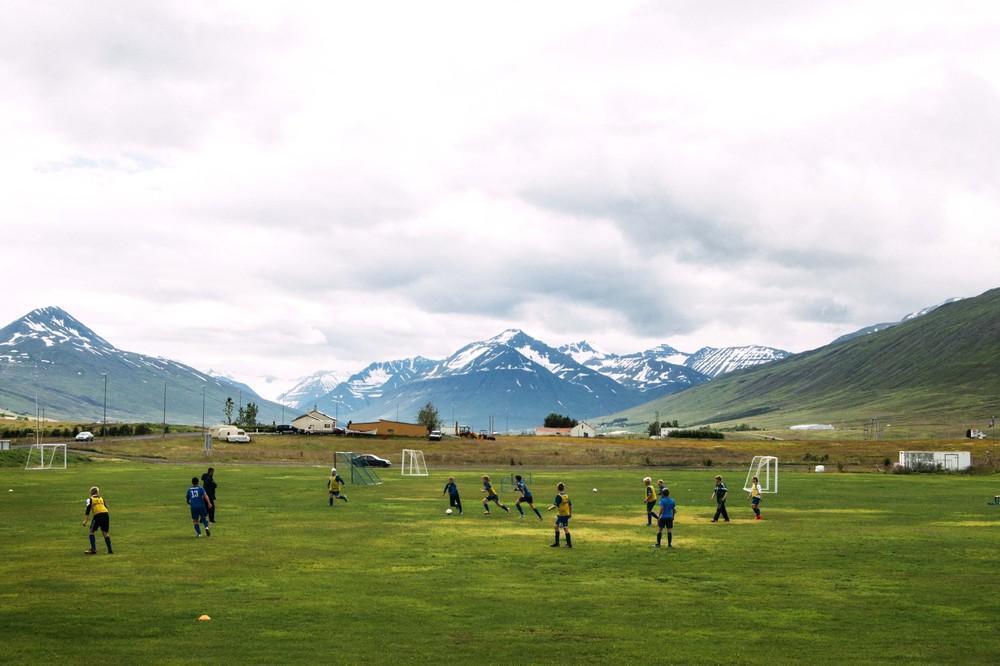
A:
270,191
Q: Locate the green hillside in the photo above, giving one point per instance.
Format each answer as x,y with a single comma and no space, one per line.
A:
942,368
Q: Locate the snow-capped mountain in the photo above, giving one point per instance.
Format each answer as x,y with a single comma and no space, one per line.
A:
51,353
309,389
875,328
512,377
663,365
715,362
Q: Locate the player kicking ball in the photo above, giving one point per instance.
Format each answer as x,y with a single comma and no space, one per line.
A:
100,519
199,503
565,507
454,501
524,497
491,496
333,485
668,509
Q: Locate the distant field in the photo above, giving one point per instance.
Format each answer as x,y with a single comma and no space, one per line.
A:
845,567
543,451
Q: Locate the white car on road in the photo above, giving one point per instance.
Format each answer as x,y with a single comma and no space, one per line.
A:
85,437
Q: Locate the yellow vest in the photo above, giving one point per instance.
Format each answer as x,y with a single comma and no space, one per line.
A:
650,497
97,505
333,484
564,507
755,490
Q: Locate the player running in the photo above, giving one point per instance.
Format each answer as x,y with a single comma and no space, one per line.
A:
199,502
452,491
491,496
334,484
650,500
97,511
755,497
668,509
524,497
565,507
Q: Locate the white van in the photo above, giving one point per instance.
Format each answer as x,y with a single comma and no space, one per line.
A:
224,432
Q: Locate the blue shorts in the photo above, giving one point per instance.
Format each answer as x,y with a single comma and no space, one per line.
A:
527,499
755,501
492,498
665,522
562,521
198,513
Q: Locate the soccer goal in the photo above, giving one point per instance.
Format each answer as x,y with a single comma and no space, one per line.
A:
765,468
413,463
45,456
360,474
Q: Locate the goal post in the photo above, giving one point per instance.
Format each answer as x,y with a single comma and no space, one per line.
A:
413,463
46,456
765,468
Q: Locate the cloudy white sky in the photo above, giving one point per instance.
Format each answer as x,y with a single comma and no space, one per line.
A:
270,190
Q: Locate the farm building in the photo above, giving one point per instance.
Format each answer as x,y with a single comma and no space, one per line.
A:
552,432
583,429
384,428
946,460
314,421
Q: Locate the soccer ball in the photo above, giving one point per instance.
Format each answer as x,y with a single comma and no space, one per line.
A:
595,490
448,511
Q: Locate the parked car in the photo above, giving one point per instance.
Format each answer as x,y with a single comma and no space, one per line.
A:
435,435
285,429
240,437
85,436
370,460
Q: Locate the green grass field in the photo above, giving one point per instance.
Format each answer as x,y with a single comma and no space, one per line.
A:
858,567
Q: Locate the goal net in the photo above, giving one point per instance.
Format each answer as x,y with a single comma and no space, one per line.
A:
765,468
413,463
46,456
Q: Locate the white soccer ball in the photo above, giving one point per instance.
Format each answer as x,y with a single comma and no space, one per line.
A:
595,490
448,511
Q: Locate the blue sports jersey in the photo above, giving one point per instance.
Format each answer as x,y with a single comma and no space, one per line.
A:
451,489
522,488
196,497
667,507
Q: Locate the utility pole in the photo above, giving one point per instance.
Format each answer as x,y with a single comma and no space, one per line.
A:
104,428
164,409
203,409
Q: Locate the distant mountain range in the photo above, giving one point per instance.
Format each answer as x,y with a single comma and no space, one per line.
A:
517,380
50,354
875,328
939,366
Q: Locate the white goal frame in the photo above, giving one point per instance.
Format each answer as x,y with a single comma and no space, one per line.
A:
43,461
765,468
413,463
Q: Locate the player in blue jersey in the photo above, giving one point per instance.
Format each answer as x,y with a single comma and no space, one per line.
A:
199,503
668,509
524,496
491,496
719,494
565,507
452,491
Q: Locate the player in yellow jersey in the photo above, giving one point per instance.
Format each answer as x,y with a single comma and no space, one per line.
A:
755,497
565,507
97,512
491,496
334,484
650,499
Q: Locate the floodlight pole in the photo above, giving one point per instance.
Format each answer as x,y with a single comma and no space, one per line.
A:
164,409
203,410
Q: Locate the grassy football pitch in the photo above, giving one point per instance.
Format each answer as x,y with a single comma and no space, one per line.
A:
845,567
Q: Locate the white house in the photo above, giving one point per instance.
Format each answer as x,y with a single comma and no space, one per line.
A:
314,421
583,429
946,460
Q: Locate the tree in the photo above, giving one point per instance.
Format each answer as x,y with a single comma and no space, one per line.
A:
654,428
228,411
554,420
241,417
250,415
428,417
